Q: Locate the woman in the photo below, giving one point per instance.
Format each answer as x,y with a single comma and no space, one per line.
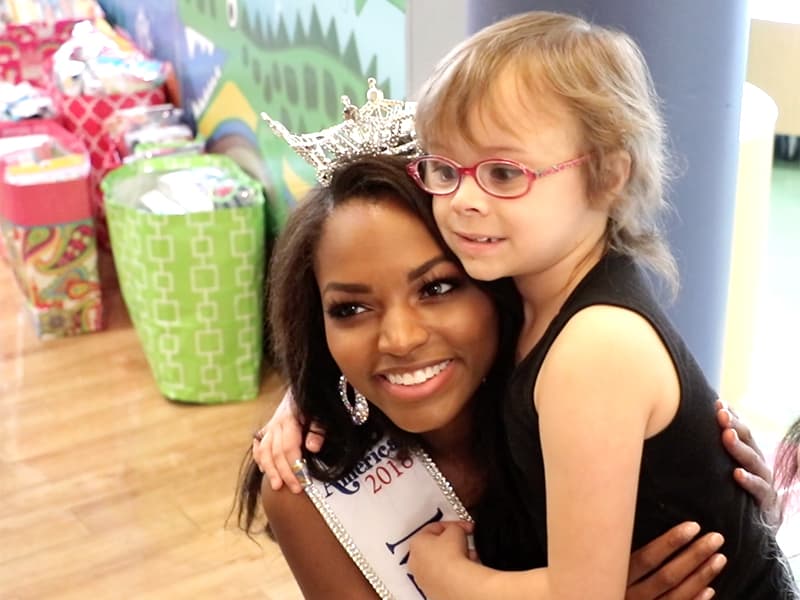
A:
362,264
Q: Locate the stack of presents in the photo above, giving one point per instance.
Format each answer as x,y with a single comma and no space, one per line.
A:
94,157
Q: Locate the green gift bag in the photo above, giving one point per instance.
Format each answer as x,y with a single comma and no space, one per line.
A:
193,283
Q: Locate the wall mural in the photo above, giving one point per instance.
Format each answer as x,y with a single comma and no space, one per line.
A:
290,58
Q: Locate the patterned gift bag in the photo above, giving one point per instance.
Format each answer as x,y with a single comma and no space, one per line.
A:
25,48
87,117
193,283
56,269
49,234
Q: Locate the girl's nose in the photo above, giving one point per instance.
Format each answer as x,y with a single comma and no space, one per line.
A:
469,198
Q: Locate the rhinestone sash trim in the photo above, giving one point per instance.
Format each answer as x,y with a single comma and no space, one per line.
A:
338,530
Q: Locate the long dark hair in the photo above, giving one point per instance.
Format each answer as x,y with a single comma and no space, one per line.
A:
297,330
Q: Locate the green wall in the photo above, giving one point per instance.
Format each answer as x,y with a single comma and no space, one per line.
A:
290,58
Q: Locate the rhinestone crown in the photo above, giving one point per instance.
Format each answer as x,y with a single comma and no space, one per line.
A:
381,126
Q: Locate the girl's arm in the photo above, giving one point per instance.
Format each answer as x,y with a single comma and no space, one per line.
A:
437,559
320,565
607,383
277,444
654,570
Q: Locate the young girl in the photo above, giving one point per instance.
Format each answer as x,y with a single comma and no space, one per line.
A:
547,165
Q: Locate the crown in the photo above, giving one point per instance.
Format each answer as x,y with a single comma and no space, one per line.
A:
381,126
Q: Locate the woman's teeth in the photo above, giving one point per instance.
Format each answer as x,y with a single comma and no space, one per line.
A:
418,376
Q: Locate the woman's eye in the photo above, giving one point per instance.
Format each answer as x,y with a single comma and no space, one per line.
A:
438,288
345,310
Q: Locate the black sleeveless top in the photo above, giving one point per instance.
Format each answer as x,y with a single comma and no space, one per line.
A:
686,474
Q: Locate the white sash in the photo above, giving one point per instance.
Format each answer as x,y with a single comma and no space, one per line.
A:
375,509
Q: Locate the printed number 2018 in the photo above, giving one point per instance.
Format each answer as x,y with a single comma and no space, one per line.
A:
385,475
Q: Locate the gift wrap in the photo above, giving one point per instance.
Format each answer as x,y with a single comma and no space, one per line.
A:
192,275
87,116
46,227
25,47
56,269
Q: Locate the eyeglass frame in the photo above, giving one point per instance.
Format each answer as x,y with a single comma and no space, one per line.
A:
531,175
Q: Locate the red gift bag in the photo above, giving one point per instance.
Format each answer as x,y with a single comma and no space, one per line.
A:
24,49
88,118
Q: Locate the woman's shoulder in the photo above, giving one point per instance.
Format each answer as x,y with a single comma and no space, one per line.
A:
283,505
307,542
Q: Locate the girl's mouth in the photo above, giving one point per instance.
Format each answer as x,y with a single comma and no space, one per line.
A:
480,239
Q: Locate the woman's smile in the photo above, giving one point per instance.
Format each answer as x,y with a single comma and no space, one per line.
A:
417,384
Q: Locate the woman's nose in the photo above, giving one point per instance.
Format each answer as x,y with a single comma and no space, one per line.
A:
402,331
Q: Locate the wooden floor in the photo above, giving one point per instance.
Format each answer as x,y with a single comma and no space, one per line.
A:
107,490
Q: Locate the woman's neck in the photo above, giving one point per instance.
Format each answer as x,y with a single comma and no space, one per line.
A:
452,439
452,449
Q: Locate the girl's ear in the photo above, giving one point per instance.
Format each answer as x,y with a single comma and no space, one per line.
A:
616,172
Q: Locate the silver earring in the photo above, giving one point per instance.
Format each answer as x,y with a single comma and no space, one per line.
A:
358,409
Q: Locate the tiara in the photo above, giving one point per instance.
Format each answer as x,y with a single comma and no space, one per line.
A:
381,126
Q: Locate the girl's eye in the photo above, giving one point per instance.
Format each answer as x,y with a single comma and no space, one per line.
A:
435,171
345,310
444,172
500,173
440,287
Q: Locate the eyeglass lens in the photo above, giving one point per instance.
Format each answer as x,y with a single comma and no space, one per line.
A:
496,177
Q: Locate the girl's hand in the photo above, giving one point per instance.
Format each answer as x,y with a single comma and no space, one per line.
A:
686,576
276,446
754,476
436,553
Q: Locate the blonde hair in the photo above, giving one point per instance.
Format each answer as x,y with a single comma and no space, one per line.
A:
602,78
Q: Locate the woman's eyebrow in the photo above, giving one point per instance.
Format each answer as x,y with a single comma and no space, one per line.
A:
360,288
425,267
350,288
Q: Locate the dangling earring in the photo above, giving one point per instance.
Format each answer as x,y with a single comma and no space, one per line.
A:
358,409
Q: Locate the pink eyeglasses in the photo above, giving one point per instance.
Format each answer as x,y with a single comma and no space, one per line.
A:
497,177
